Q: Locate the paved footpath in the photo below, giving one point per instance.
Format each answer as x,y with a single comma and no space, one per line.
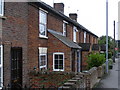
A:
112,79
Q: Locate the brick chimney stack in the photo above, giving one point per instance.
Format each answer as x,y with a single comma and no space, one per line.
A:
59,7
73,16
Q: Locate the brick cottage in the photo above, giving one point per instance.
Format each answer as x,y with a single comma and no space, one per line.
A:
35,35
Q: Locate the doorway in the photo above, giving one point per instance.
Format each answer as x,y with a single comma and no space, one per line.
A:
16,67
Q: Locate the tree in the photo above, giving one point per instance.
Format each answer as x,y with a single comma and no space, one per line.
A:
102,40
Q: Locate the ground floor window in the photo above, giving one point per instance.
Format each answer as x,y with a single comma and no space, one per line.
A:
58,61
42,57
1,66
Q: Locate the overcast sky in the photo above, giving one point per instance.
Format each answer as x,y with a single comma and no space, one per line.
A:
92,13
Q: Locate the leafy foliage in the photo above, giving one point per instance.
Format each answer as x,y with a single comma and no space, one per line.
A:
102,40
95,60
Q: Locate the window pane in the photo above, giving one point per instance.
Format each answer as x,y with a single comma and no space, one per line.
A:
56,62
56,67
74,34
64,29
60,66
42,29
56,56
42,22
42,17
42,60
61,62
60,56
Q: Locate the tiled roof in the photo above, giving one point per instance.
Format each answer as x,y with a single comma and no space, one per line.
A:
95,47
85,46
64,39
51,9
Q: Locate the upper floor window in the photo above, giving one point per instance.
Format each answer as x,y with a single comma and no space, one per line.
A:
42,24
84,37
1,7
74,33
64,28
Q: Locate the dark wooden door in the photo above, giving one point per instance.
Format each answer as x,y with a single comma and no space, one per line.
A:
16,67
73,61
78,61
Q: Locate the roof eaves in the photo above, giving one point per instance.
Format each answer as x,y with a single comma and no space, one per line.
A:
56,34
49,8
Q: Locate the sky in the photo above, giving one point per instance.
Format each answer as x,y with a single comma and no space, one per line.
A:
92,14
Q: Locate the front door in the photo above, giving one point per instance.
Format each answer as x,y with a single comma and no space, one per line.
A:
16,67
73,61
78,61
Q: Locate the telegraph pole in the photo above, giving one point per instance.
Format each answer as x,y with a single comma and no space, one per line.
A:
114,44
106,36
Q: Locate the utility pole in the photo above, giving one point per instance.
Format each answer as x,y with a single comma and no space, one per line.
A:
114,44
106,36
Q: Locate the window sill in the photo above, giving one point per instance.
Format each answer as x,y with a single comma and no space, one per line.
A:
58,70
43,37
3,17
42,66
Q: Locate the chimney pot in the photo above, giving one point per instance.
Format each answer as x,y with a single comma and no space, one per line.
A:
73,16
59,7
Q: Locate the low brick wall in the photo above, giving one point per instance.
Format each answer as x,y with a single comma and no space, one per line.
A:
86,79
101,71
92,77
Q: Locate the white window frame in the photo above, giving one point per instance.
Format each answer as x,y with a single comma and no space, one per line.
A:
74,34
44,66
44,24
2,7
84,37
42,53
65,28
57,53
1,66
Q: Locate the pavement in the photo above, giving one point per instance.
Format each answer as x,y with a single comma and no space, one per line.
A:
112,79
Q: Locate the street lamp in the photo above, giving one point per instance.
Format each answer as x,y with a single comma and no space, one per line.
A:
106,36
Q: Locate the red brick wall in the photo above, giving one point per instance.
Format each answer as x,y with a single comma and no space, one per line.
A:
70,31
34,41
55,45
87,38
77,36
84,58
15,29
55,23
82,36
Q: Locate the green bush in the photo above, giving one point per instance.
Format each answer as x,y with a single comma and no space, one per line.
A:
95,60
109,55
110,62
